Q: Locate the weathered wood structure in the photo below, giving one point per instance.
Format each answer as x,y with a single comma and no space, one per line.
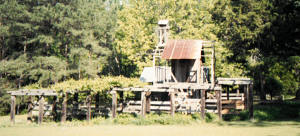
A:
182,79
185,69
42,108
33,92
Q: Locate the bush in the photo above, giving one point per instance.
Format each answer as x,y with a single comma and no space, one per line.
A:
210,117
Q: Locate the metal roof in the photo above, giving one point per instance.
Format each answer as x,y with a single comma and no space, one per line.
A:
182,49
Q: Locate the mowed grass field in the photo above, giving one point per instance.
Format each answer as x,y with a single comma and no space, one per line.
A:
239,128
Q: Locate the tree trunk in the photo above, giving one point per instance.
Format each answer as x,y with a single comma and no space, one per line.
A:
262,81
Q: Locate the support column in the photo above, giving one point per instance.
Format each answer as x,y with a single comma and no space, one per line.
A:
12,109
143,103
148,102
227,91
246,97
250,101
76,102
172,103
114,104
219,103
121,94
88,102
41,109
54,108
97,104
64,108
203,104
213,66
30,108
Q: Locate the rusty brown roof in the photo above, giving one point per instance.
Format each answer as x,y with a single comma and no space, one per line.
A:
182,49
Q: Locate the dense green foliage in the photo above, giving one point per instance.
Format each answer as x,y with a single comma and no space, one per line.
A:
77,44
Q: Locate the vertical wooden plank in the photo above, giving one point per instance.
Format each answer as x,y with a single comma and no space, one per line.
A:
143,104
219,103
148,102
203,104
227,91
251,101
213,66
246,97
198,64
88,102
97,104
76,100
64,108
114,104
122,100
41,110
54,108
12,109
172,103
29,108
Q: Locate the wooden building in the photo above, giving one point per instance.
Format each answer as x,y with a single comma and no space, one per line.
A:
185,69
182,79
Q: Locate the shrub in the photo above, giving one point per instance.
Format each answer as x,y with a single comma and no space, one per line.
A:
210,117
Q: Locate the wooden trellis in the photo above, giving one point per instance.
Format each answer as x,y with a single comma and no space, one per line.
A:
41,93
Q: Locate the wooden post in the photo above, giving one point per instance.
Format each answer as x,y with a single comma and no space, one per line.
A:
219,103
172,103
213,66
64,108
88,102
30,108
114,104
41,109
199,79
143,104
148,102
76,101
97,104
203,104
246,97
227,91
121,94
250,101
12,109
54,108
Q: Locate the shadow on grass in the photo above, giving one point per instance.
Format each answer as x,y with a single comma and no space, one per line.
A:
267,115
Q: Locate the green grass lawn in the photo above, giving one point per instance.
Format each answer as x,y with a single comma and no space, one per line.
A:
82,128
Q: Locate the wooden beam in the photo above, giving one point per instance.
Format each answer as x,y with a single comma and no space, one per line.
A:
12,109
30,108
34,92
246,96
199,63
234,82
143,105
114,104
251,101
172,103
54,108
148,102
213,66
41,110
219,104
203,104
88,102
97,104
64,108
227,91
